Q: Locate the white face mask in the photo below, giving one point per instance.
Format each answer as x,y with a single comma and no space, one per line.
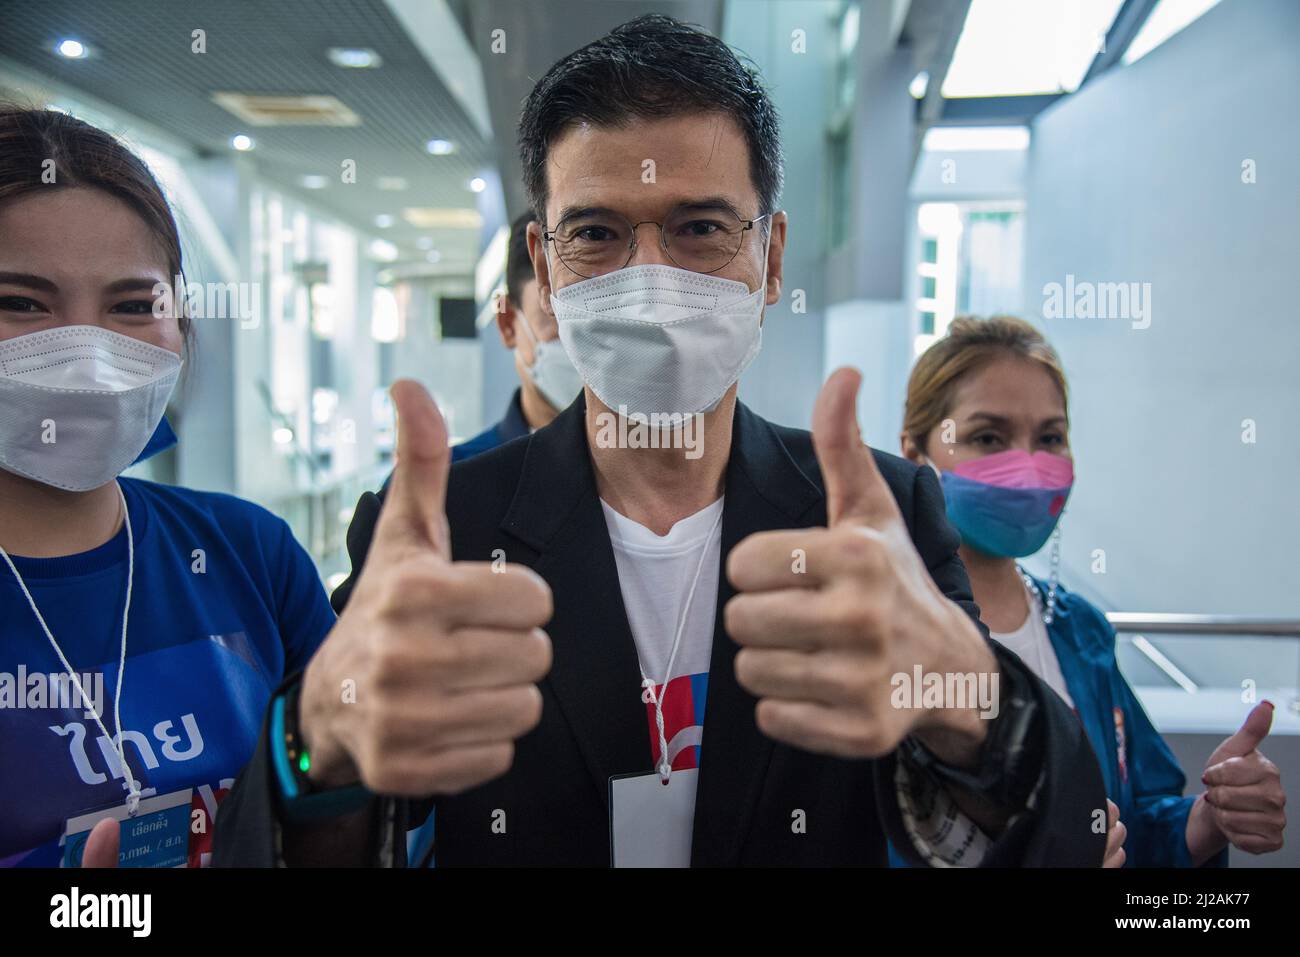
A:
551,370
658,339
79,403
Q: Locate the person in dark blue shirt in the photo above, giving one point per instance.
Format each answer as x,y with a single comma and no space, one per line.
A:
548,382
143,627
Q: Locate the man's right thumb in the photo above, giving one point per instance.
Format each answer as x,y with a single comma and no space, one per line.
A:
417,494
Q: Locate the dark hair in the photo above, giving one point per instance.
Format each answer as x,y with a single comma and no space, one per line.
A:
519,267
86,156
650,67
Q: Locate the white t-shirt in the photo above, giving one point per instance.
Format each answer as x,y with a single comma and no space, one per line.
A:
655,575
1031,643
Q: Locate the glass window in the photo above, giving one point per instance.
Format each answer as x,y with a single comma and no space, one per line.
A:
970,260
1168,17
1017,47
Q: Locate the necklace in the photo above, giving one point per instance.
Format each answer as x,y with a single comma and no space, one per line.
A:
132,785
1053,578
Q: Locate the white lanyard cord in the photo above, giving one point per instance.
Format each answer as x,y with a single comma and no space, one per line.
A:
648,696
133,794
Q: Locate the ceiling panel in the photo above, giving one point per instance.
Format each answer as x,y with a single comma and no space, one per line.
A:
141,61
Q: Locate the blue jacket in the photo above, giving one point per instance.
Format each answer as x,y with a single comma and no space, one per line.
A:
510,427
1142,776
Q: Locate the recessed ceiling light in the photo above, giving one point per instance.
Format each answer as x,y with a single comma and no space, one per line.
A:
920,83
478,184
72,49
382,250
241,142
391,183
440,147
354,58
432,217
383,220
314,182
433,256
259,109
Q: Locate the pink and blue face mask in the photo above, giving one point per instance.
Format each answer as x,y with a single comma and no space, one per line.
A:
1008,504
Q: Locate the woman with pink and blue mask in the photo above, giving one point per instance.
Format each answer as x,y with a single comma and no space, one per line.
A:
987,409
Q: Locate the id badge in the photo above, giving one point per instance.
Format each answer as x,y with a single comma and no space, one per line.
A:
651,823
158,836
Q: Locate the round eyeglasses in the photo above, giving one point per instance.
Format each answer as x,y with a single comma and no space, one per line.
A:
595,242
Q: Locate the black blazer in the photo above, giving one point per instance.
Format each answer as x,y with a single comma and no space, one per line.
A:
535,499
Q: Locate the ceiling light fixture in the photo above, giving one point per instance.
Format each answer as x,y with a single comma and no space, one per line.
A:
354,58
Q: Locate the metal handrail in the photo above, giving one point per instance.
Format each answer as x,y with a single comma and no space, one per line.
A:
1158,623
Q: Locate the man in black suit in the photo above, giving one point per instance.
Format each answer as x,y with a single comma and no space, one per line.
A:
833,584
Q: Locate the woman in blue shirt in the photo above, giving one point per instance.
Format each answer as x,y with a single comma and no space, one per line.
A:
177,611
987,408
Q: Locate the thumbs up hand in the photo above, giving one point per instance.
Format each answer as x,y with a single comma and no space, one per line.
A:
429,676
1244,800
827,617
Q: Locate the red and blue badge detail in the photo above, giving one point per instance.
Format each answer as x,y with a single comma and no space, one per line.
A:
683,720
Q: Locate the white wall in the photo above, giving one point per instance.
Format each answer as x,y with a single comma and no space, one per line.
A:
783,380
1138,177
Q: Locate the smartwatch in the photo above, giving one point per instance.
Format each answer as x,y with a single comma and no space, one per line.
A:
1010,760
301,799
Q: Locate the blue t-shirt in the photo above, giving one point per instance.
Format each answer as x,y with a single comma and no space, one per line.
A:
225,602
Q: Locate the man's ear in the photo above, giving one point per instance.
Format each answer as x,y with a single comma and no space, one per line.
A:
541,269
776,257
506,316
